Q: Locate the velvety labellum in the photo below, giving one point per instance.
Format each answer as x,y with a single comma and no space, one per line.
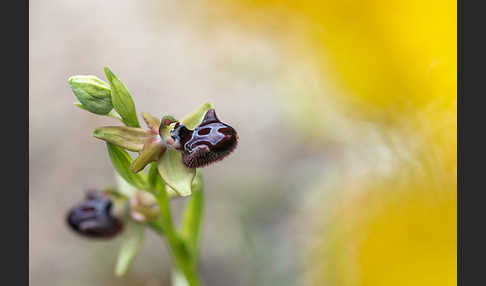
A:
93,218
210,141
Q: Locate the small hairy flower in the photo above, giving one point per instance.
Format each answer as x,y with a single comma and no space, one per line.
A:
93,218
209,142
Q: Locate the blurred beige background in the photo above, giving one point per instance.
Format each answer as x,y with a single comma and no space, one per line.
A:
171,65
346,169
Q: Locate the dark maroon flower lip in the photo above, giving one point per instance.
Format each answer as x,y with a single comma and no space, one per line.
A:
203,156
92,217
209,142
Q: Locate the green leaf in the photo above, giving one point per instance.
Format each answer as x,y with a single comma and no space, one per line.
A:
191,221
123,187
130,138
130,246
121,100
121,162
93,93
192,120
175,173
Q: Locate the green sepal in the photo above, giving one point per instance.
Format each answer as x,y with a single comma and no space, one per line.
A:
130,138
192,120
122,100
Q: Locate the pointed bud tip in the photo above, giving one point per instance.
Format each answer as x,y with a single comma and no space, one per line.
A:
208,105
210,116
108,72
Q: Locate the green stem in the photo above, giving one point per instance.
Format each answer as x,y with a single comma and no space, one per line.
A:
182,245
191,221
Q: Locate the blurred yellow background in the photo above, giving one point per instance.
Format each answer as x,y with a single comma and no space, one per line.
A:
346,171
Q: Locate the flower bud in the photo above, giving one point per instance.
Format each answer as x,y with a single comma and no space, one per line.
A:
93,93
144,207
92,217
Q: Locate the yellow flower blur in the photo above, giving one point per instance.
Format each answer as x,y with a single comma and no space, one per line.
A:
389,213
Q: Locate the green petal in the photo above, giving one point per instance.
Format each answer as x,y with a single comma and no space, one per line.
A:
175,173
157,184
152,150
152,122
130,138
130,246
192,120
121,100
165,129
